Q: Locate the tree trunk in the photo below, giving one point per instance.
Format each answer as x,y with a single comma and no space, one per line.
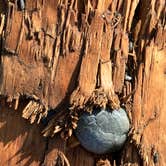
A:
55,54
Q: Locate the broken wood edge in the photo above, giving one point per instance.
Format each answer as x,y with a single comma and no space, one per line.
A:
99,98
34,111
66,121
2,23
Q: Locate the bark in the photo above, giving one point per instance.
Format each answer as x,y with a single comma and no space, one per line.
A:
68,55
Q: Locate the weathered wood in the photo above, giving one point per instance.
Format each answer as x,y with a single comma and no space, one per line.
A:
68,53
19,140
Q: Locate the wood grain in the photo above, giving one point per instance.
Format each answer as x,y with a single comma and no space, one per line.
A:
53,52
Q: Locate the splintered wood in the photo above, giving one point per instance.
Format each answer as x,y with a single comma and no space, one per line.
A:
96,63
32,110
103,163
72,55
2,22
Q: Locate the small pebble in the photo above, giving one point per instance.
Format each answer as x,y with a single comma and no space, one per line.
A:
128,78
131,46
21,4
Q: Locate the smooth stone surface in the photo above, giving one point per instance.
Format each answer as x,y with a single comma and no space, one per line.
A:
103,131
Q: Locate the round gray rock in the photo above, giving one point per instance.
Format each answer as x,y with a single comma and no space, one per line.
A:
103,131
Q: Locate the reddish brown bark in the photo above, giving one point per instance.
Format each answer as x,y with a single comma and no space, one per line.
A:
57,53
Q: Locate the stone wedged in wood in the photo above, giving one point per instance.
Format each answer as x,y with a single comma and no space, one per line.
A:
44,51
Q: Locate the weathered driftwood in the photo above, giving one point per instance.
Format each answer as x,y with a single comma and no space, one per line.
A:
71,55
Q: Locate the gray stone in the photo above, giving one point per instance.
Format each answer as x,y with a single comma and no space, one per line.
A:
103,131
